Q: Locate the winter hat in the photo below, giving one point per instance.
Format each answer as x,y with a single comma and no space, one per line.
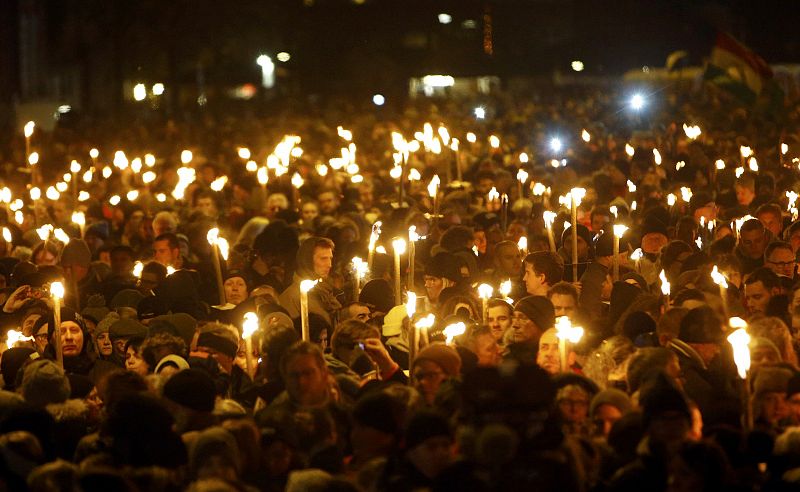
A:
43,383
151,306
171,360
67,314
238,273
611,396
191,388
640,281
604,244
377,292
701,325
219,338
661,396
771,380
184,323
11,362
442,355
214,442
104,325
379,411
622,296
95,309
127,328
76,252
793,386
126,298
444,265
653,224
638,323
393,321
538,309
277,318
425,425
583,233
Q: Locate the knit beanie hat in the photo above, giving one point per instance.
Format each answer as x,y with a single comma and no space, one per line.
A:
219,338
655,223
661,396
95,309
191,388
611,396
793,386
583,233
185,325
425,425
771,380
214,441
11,362
127,328
76,252
377,292
238,273
126,298
701,325
393,321
67,314
445,357
444,265
538,309
43,383
604,244
379,411
104,325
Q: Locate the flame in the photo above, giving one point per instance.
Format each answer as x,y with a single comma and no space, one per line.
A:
307,285
565,330
137,269
13,337
718,277
664,283
249,324
454,330
57,290
411,304
485,291
399,245
219,183
740,342
505,288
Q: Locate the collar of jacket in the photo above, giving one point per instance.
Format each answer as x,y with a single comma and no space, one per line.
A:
687,351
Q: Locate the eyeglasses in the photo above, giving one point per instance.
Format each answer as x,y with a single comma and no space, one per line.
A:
781,263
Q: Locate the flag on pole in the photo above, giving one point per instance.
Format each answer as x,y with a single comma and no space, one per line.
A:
737,69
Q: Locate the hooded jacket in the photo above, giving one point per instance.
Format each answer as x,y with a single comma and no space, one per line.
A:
323,299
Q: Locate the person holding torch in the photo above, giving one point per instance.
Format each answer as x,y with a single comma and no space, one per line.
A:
314,262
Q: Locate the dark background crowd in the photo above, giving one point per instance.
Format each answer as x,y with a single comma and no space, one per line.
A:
153,382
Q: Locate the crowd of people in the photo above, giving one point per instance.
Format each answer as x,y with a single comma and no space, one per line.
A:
148,378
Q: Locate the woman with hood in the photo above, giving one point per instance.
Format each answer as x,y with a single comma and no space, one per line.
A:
79,358
314,262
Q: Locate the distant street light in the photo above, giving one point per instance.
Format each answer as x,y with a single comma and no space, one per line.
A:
555,144
139,92
480,112
577,65
158,89
378,100
445,18
637,102
267,71
283,57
